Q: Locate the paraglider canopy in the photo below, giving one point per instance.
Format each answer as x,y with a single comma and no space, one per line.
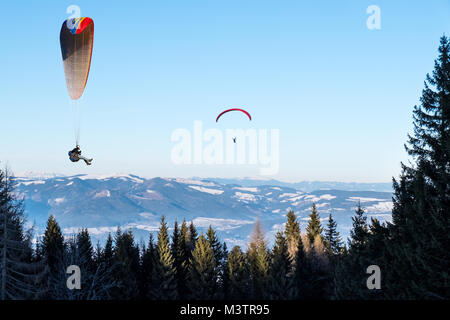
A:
234,109
76,39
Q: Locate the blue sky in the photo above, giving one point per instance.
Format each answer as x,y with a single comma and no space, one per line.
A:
340,94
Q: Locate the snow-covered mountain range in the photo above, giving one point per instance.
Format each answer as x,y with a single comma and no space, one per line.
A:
102,203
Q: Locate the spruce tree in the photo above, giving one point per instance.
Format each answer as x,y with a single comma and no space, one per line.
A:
216,246
55,258
147,262
320,277
419,237
164,282
280,284
85,250
53,246
224,273
192,238
107,256
203,283
359,233
333,241
292,233
181,262
302,276
314,227
259,262
350,273
19,274
238,274
126,272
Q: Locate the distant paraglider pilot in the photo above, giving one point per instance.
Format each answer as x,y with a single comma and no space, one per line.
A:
75,155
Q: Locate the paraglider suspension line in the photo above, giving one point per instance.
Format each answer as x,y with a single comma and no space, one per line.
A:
76,121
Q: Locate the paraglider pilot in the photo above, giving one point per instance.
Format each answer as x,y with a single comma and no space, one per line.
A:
75,155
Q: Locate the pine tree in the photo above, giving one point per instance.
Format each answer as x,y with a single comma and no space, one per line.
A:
53,246
203,283
259,262
181,262
292,233
281,285
164,282
320,274
314,227
85,250
333,241
350,273
54,256
107,256
216,246
302,276
192,236
377,254
360,231
419,237
126,259
238,274
96,280
175,240
82,256
147,262
224,273
18,272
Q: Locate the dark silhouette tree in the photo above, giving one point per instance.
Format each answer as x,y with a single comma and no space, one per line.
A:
258,258
164,282
19,273
203,282
238,274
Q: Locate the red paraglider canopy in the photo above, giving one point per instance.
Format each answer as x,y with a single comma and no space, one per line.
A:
234,109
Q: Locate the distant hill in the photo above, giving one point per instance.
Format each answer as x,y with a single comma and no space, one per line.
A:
101,203
309,186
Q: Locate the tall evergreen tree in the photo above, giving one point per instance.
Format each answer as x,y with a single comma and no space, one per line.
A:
320,278
314,227
85,250
53,246
18,273
192,238
181,262
224,273
203,272
238,274
147,262
281,285
54,256
164,283
333,241
107,256
302,276
216,246
259,262
350,274
419,237
292,233
126,259
360,231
